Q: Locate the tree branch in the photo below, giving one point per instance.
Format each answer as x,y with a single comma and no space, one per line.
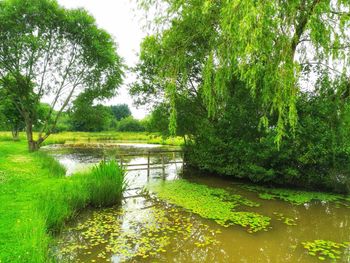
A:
321,64
66,72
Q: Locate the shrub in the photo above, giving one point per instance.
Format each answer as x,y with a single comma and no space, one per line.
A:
131,125
316,156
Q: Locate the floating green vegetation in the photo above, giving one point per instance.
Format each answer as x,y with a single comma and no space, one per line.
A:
211,203
134,235
296,196
324,249
286,220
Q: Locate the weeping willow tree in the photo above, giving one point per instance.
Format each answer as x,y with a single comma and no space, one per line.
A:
173,58
277,48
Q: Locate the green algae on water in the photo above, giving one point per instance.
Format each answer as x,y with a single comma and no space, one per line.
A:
296,197
144,237
212,203
325,249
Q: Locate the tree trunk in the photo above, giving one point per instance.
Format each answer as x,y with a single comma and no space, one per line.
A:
15,134
32,144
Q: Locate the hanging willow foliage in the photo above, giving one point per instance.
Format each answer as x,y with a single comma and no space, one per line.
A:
171,91
273,47
208,86
264,47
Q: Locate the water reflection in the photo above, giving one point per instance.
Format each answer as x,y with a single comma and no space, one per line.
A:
148,230
79,157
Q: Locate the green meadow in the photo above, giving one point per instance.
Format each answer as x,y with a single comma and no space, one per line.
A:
81,137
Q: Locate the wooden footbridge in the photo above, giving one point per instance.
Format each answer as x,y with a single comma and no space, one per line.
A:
157,154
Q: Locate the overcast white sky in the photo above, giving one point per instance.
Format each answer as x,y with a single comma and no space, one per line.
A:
121,20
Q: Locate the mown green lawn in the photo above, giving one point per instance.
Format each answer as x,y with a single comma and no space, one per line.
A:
23,179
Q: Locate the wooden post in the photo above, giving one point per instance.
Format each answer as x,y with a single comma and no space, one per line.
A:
183,161
163,167
148,163
121,161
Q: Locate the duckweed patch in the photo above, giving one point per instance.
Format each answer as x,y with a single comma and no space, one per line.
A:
212,203
286,220
325,249
296,197
128,236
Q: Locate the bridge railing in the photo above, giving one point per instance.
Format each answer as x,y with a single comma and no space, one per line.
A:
149,165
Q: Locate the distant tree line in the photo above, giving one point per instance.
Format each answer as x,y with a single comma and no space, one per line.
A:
81,117
87,117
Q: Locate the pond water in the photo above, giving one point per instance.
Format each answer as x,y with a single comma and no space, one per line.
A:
146,228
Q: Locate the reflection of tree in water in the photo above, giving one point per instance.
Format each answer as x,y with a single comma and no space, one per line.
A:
75,157
111,150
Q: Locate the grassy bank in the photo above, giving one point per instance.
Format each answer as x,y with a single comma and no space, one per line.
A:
36,199
63,137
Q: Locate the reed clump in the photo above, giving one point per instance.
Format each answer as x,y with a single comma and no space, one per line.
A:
105,184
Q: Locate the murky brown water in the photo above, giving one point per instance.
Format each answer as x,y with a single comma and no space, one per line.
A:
155,231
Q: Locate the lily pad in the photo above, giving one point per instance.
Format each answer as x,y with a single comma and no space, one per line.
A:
323,249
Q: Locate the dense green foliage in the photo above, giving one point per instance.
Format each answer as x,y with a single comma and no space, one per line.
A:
36,199
130,124
50,51
120,111
256,89
86,117
317,156
186,111
10,117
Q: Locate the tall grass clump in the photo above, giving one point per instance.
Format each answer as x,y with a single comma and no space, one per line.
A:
105,183
103,186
